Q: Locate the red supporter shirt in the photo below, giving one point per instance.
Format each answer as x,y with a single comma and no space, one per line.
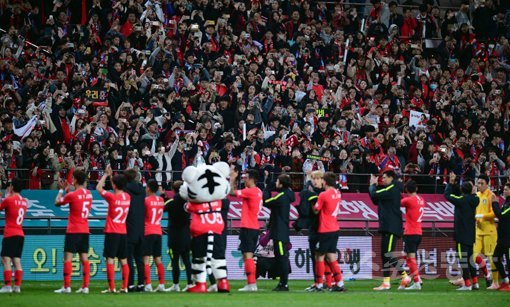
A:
328,205
154,207
15,208
205,217
252,202
414,213
80,202
118,208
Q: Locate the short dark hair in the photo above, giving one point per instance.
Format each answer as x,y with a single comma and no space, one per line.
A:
153,185
119,181
507,185
253,174
176,186
329,179
485,178
80,176
284,180
467,187
130,174
411,186
17,185
390,173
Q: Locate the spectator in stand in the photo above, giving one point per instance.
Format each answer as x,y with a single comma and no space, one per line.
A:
116,81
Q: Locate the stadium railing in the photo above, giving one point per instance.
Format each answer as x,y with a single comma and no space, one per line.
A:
355,182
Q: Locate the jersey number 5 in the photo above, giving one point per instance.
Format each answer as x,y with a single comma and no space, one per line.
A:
85,210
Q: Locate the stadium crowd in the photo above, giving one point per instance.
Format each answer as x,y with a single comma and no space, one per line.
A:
282,86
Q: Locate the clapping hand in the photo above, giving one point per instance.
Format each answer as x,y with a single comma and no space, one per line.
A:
108,171
452,177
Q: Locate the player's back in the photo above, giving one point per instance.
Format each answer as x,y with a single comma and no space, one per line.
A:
15,208
118,209
154,207
329,205
414,213
80,203
252,203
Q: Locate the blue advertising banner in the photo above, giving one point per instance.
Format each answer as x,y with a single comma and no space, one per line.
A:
41,203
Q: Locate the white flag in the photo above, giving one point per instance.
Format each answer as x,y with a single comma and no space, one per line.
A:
25,130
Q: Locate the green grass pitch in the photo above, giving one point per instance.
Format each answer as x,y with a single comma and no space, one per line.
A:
359,293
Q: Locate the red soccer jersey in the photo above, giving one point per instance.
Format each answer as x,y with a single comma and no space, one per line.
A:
205,217
80,202
154,207
118,208
15,208
414,212
252,202
328,205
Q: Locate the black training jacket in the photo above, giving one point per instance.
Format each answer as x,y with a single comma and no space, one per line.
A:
135,222
503,214
307,219
178,218
464,215
280,211
387,200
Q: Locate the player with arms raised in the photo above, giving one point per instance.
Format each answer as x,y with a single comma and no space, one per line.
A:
15,208
252,203
77,233
115,241
327,207
414,205
154,207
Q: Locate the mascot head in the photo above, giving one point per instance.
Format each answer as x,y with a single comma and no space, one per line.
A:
205,183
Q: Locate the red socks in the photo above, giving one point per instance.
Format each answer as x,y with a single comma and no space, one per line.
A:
110,275
482,265
250,270
328,276
319,272
161,273
335,269
475,280
68,269
125,276
413,268
86,274
467,282
18,276
147,270
8,278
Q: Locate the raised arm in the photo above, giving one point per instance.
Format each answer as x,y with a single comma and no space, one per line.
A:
454,199
60,200
380,194
233,177
102,181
